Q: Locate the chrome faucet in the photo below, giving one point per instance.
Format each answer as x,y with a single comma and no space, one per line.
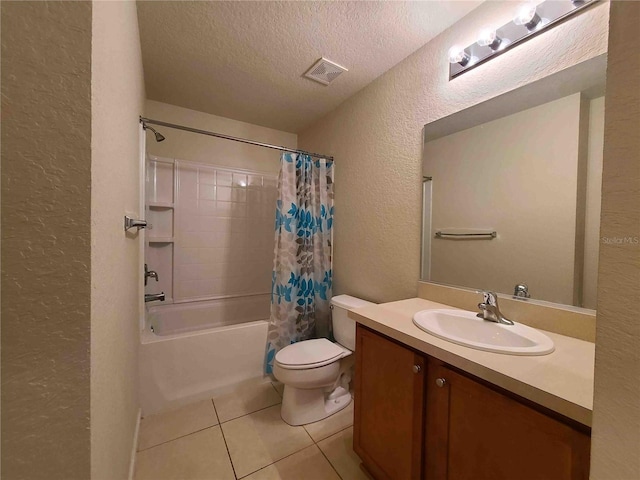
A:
490,311
153,297
521,290
149,274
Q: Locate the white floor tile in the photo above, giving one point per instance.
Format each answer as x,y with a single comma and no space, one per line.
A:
165,426
246,399
199,456
307,464
262,438
339,450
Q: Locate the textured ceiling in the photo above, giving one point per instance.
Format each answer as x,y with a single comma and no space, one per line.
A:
246,60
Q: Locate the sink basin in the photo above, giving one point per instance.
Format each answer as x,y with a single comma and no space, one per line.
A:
464,328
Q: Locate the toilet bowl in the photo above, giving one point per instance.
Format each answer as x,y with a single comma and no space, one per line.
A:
316,373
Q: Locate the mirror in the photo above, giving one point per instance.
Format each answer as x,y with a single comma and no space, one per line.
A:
512,190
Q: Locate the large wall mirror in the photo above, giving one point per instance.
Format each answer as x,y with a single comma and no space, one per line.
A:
512,190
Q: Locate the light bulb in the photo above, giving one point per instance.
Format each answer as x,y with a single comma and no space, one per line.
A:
489,38
528,17
458,55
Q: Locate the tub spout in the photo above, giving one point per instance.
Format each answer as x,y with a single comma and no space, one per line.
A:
153,297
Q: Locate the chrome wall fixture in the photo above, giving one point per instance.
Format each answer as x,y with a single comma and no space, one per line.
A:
130,222
529,20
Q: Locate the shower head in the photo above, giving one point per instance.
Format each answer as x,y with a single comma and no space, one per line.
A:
159,136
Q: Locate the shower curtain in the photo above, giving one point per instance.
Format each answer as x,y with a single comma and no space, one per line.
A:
301,277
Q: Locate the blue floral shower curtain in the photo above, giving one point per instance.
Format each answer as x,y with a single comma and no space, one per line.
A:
301,278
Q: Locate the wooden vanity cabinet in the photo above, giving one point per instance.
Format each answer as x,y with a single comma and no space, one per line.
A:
475,432
389,407
433,422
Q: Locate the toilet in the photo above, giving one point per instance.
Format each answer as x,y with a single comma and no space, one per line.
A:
316,373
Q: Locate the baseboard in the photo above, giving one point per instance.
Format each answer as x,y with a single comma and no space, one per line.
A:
134,448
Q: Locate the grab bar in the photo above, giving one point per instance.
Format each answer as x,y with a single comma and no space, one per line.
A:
488,235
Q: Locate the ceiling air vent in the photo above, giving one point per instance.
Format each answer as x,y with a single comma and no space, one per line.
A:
324,71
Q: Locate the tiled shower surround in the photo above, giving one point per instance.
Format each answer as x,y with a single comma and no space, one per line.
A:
223,231
210,230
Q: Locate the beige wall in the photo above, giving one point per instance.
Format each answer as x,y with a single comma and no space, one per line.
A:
117,101
376,139
200,148
516,175
46,199
616,416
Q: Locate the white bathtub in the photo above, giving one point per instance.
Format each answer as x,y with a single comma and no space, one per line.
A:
192,351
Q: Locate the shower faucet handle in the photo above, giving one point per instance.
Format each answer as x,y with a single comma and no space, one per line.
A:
133,223
149,274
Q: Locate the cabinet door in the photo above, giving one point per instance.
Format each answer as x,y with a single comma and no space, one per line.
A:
475,432
389,396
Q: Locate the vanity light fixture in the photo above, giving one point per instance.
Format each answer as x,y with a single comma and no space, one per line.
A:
528,17
489,38
459,56
530,20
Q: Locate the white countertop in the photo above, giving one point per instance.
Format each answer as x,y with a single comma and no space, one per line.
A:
561,381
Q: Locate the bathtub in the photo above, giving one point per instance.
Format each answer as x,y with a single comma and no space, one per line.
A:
192,351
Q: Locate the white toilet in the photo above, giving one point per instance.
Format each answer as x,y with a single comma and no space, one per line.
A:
316,373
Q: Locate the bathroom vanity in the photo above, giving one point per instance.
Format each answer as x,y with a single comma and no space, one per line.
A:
426,408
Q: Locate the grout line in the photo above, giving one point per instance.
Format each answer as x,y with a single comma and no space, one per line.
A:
276,461
250,413
187,434
322,452
261,468
274,387
178,438
313,443
334,434
224,439
215,412
329,461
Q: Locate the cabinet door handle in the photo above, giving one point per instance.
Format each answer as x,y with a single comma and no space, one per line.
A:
440,382
417,369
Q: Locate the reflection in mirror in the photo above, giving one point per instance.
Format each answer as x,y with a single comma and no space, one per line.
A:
528,166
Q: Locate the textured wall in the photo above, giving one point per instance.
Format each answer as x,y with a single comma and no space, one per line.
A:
204,149
117,101
616,417
376,139
46,181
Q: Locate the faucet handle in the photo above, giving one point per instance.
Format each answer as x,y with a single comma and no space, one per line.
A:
149,274
489,298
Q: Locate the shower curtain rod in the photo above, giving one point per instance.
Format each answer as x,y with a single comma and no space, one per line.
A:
144,120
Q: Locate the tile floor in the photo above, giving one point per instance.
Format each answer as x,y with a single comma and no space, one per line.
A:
241,435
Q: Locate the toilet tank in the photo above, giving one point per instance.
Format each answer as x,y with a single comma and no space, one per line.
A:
344,329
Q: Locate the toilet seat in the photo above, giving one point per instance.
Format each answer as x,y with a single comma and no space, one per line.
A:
310,354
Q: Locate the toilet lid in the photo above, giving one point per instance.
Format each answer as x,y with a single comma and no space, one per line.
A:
309,352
